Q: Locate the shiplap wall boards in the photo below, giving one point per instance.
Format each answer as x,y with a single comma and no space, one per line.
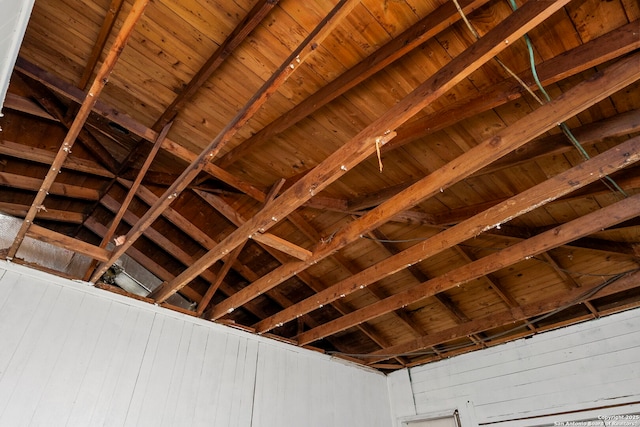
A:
73,355
575,373
79,356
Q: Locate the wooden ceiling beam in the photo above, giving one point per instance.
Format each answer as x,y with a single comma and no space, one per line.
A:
628,181
235,218
364,144
391,249
296,219
59,189
39,155
267,239
588,135
561,184
620,248
104,115
259,11
163,274
66,242
27,106
21,211
217,282
494,284
174,217
232,258
101,41
544,118
130,195
583,226
207,242
507,318
595,52
618,125
425,29
292,63
87,104
53,106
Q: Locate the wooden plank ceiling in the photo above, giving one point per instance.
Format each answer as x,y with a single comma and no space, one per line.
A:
392,182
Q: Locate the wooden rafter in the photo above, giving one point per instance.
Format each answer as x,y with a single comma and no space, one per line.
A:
595,52
54,107
512,137
537,308
267,239
526,201
21,211
277,79
104,114
364,144
425,29
131,194
232,258
57,188
619,125
101,41
237,36
583,226
66,242
39,155
86,107
237,219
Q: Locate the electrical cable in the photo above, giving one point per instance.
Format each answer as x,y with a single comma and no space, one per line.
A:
563,126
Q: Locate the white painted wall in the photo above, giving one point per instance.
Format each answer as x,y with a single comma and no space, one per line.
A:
15,16
73,355
589,365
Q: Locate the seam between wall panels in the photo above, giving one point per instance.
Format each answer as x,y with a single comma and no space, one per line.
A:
255,381
142,359
413,395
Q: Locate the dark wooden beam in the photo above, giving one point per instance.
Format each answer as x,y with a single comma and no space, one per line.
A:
104,115
130,195
590,134
53,106
21,211
27,106
58,189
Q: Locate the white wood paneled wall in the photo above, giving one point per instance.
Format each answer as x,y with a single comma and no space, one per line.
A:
15,16
73,355
590,365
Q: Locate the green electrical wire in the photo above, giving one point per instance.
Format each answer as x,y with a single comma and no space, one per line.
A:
563,126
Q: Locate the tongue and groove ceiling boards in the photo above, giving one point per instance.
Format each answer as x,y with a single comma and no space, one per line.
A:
389,181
